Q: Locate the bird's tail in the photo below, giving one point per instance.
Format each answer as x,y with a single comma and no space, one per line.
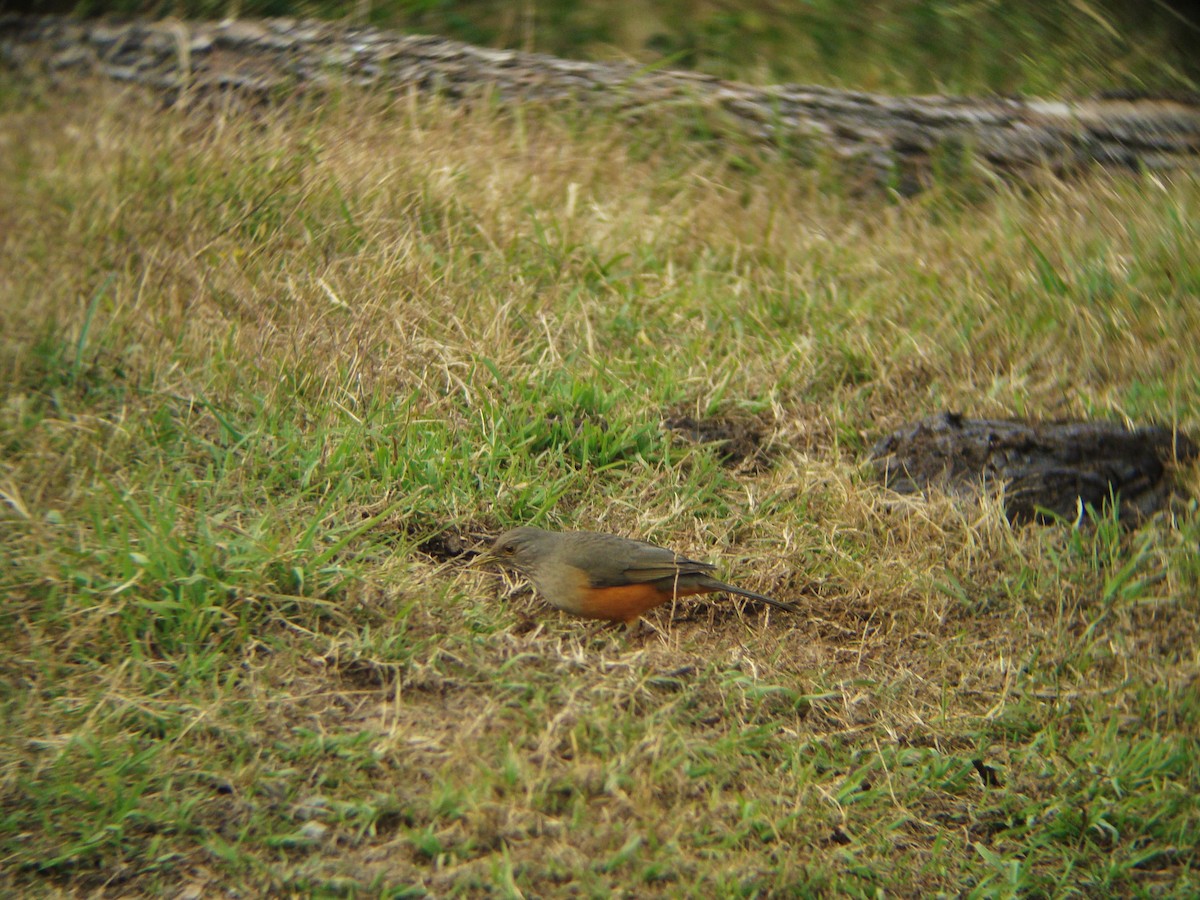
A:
730,589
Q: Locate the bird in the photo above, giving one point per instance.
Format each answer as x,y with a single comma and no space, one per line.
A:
605,576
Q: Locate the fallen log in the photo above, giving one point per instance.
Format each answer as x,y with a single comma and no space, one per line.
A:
892,138
1045,471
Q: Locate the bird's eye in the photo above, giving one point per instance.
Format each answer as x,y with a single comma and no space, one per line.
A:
509,549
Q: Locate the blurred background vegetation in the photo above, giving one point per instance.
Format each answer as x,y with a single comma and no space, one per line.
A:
901,46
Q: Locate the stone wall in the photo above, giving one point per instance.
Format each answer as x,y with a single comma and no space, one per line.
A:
893,138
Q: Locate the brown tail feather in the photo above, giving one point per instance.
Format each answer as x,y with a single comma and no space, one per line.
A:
730,589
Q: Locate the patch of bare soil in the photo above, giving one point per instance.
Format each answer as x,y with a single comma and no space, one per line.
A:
452,543
1045,469
741,443
441,542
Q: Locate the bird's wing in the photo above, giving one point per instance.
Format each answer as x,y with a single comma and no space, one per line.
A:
669,566
613,561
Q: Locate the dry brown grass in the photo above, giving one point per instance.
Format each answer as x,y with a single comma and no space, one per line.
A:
255,359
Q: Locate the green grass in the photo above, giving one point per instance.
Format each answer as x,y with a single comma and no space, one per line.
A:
255,365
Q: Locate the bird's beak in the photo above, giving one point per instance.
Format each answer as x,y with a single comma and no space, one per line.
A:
485,558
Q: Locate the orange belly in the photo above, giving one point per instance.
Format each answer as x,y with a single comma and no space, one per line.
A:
627,602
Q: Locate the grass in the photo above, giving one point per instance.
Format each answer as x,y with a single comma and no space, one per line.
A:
260,368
